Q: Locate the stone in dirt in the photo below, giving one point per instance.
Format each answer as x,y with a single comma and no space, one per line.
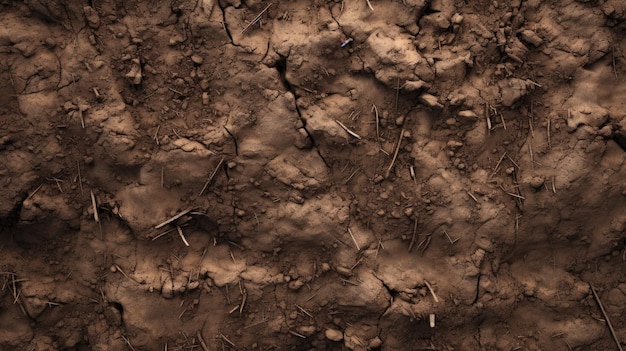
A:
333,334
93,20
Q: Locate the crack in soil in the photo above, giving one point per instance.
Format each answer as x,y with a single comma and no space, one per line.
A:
281,67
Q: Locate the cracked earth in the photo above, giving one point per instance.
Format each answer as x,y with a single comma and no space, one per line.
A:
312,175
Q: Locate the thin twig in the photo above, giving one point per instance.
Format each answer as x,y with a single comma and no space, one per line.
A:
515,195
224,336
424,243
450,239
80,178
533,83
395,154
201,340
472,196
355,135
354,240
351,175
255,324
549,144
606,318
11,78
244,297
369,5
255,20
172,219
304,311
164,233
397,84
34,192
512,161
176,91
375,110
182,236
96,217
208,182
487,116
495,169
128,342
349,282
413,238
156,135
430,288
613,59
297,334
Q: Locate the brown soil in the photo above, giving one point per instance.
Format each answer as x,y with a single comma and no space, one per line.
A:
414,175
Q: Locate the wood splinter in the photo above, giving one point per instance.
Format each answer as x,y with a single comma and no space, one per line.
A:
297,334
414,237
255,20
202,342
450,239
395,154
172,219
353,134
208,182
226,339
128,342
96,217
375,110
182,236
606,318
495,169
80,178
548,129
432,292
472,196
304,311
354,239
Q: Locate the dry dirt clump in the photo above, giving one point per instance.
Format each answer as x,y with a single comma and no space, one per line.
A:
309,175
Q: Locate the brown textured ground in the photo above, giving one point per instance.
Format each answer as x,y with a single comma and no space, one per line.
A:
507,195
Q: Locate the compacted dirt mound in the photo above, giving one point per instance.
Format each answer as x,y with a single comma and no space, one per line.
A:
308,175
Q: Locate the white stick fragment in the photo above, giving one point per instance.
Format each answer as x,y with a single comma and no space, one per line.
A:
472,196
432,320
200,339
255,20
208,182
96,217
354,240
182,236
348,130
487,117
430,288
172,219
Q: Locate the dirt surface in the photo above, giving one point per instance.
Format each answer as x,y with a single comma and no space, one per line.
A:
397,175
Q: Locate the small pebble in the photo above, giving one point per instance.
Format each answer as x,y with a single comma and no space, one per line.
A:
536,182
333,334
375,343
400,120
197,59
